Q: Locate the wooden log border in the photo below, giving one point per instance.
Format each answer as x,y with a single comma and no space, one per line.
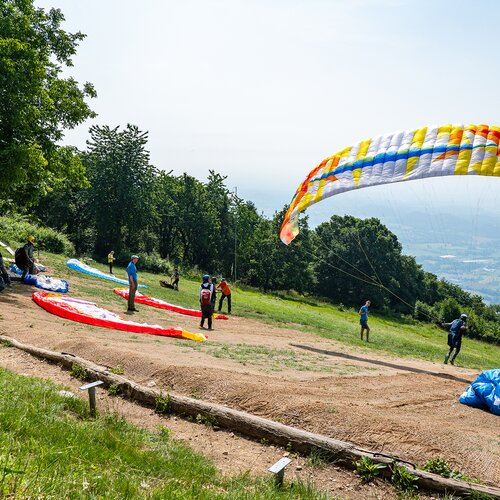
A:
341,452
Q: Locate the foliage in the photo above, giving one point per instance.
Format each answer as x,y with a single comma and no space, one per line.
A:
163,404
116,370
477,495
404,480
36,103
449,309
154,263
441,467
78,371
114,390
122,190
368,469
209,420
319,458
14,229
424,312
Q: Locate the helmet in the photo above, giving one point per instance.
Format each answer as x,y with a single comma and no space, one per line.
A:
463,317
31,239
205,278
214,279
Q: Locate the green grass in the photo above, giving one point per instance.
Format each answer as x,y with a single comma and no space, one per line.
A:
390,336
271,358
50,448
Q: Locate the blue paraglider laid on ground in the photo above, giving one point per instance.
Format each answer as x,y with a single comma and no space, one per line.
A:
92,271
43,282
484,392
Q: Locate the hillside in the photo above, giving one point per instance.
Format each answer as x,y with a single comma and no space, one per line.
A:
295,362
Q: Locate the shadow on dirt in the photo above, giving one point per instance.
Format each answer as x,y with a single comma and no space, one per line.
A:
382,363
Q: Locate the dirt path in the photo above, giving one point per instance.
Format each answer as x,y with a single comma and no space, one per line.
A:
400,406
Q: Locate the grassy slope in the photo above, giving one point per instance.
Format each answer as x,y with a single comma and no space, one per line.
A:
416,340
78,457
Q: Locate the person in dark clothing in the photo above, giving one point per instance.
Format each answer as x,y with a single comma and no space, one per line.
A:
456,330
175,279
207,290
213,280
4,276
24,257
132,279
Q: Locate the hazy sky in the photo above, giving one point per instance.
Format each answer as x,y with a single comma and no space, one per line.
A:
263,90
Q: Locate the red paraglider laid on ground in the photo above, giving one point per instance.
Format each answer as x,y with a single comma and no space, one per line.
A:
87,312
160,304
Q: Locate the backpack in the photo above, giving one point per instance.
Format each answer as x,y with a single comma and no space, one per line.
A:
456,326
205,296
20,258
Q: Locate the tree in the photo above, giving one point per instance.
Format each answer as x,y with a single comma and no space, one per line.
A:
122,193
356,259
36,104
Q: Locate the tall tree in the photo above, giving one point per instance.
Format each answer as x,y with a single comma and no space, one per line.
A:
122,192
36,103
356,259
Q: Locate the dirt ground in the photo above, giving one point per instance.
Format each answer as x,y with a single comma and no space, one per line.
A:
404,407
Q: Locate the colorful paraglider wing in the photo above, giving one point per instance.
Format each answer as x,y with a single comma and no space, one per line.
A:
402,156
89,313
161,304
76,265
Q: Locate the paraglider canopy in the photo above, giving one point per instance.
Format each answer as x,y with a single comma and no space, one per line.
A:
402,156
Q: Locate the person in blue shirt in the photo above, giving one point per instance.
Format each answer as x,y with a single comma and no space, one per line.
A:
132,279
455,332
363,320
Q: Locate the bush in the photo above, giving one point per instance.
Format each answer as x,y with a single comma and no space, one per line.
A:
449,309
14,230
424,312
154,263
53,241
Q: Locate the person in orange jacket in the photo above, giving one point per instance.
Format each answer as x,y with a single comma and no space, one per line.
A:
226,293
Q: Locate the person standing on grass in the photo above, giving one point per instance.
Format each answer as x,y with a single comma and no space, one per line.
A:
175,279
456,329
111,259
213,280
207,290
132,279
225,294
363,320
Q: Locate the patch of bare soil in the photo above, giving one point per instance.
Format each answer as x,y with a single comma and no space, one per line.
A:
404,407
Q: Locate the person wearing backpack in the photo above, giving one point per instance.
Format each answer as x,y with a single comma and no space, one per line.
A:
24,257
207,290
456,328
